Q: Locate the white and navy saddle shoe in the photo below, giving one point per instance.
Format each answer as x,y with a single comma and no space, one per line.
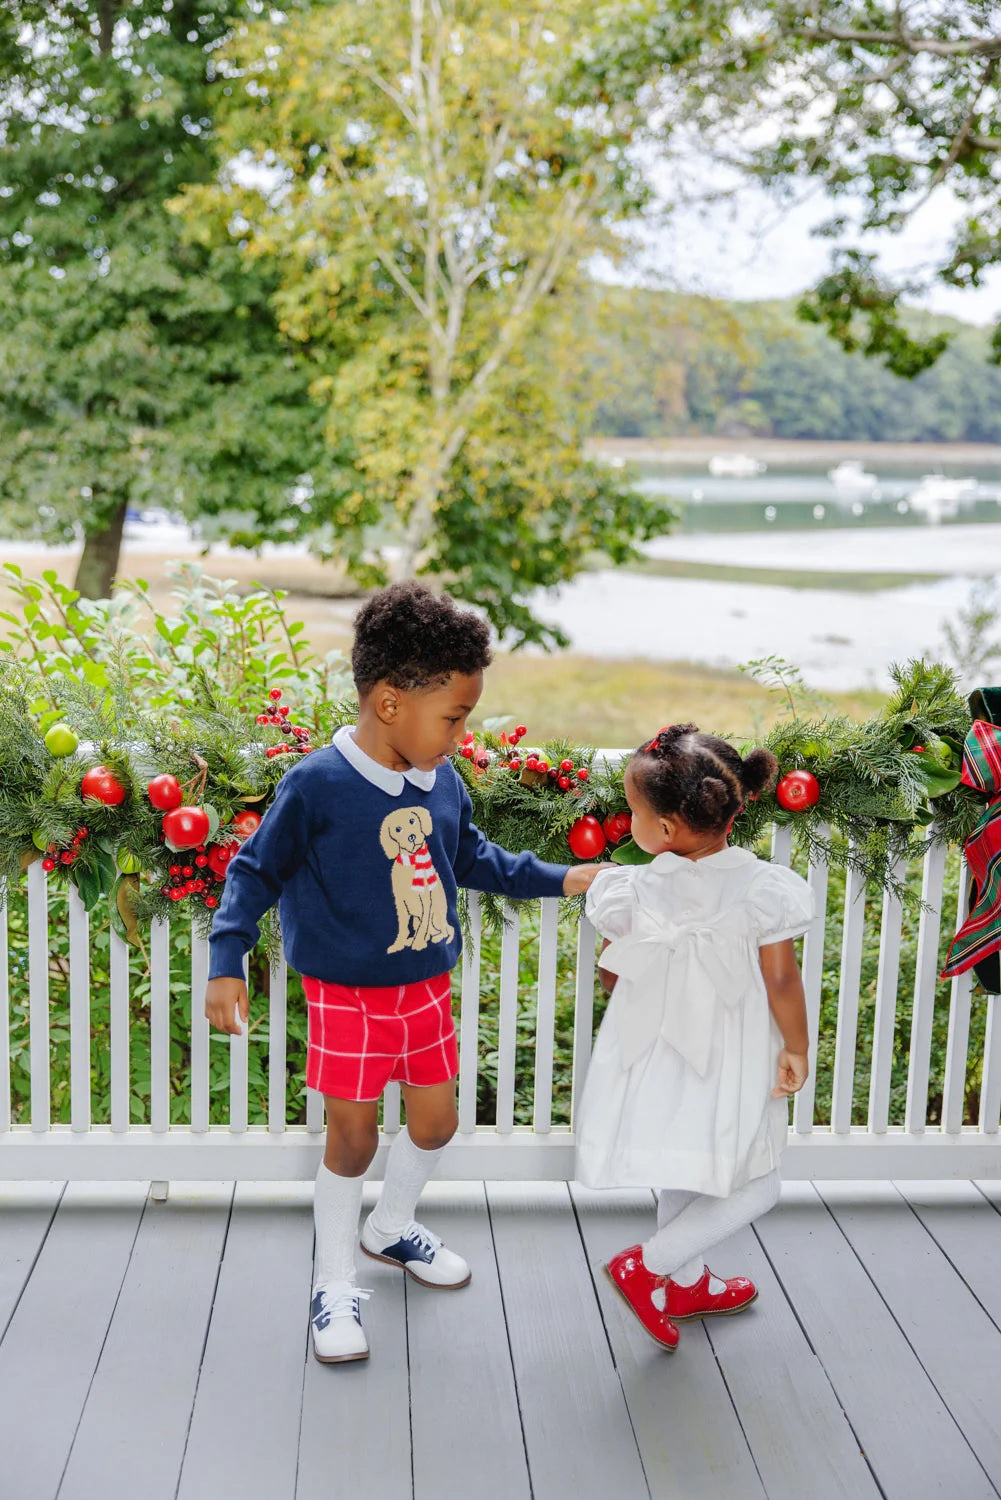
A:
420,1253
335,1316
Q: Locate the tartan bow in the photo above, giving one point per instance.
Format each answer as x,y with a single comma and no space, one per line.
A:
980,934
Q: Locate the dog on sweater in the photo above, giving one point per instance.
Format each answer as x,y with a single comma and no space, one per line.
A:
421,908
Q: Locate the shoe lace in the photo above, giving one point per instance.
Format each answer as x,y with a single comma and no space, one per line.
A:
337,1302
423,1238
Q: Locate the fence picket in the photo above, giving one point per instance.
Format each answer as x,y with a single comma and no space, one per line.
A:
813,980
507,1021
120,1050
469,1017
583,1021
5,1091
884,1021
958,1041
38,996
925,977
848,998
79,951
990,1089
159,1026
277,1044
239,1056
199,1035
545,1017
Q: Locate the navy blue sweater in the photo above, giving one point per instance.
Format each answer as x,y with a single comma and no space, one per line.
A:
365,881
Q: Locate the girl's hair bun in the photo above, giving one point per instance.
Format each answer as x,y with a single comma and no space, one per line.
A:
757,771
712,802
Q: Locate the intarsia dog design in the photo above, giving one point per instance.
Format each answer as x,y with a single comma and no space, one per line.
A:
421,908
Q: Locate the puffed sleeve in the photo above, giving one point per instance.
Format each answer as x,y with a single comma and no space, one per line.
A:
782,904
611,901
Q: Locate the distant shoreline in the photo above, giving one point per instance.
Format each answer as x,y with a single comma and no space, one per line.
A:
700,449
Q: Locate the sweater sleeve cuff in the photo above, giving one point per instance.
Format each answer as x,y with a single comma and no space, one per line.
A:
554,876
225,958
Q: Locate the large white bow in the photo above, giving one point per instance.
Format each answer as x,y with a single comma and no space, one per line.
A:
679,984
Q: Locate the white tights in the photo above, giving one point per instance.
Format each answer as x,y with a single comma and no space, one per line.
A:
690,1224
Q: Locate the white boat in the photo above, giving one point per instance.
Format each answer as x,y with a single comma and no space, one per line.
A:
939,498
735,466
849,477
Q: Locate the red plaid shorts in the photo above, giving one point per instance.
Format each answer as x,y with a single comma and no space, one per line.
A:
360,1039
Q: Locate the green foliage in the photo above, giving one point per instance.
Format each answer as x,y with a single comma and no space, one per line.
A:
664,364
432,183
882,108
137,368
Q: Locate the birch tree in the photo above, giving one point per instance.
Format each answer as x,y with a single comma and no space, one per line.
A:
433,178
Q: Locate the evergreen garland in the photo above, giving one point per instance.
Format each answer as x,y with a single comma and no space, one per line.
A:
886,786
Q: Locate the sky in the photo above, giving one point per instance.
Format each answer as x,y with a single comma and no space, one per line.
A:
750,246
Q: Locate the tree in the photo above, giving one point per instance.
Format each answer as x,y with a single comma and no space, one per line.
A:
887,105
432,179
136,366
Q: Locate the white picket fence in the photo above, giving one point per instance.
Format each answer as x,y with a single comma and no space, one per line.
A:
162,1151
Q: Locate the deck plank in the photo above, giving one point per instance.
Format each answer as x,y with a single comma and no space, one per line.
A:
790,1414
963,1219
356,1416
578,1433
460,1363
26,1212
955,1340
133,1429
907,1433
54,1339
685,1424
244,1435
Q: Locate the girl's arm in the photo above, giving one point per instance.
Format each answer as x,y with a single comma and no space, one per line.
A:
788,1005
605,975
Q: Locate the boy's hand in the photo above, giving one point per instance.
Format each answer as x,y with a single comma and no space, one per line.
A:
793,1071
579,877
223,997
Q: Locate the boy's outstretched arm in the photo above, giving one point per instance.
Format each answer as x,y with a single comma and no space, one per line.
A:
788,1005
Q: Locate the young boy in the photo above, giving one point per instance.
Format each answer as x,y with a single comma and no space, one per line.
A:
363,848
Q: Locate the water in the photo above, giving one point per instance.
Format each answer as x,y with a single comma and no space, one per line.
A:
794,519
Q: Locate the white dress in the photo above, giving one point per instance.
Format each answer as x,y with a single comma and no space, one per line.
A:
678,1093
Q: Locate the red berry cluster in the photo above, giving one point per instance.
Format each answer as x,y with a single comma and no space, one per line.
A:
277,715
55,856
202,877
565,775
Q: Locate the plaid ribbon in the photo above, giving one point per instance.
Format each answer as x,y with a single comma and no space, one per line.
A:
980,934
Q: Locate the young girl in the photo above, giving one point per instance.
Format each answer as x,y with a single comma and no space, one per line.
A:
705,1033
363,847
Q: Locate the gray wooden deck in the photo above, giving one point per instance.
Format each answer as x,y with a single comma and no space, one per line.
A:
154,1351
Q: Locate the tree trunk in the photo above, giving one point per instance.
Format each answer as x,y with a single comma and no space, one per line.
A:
99,560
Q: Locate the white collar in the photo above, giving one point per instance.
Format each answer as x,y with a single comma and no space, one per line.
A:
729,858
380,776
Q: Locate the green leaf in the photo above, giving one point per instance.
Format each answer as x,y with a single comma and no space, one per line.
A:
628,852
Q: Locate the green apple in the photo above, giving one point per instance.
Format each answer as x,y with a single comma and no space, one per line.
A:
60,740
40,839
127,862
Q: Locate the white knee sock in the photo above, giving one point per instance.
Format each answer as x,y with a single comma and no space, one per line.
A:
679,1248
336,1206
407,1171
670,1202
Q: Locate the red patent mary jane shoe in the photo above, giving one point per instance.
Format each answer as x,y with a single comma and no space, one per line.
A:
698,1301
644,1293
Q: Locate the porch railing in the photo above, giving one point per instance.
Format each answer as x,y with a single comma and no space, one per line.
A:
543,1149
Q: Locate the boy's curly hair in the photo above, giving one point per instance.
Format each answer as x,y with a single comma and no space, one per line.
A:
413,638
699,777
